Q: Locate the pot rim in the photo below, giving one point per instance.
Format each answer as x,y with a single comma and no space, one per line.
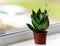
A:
40,32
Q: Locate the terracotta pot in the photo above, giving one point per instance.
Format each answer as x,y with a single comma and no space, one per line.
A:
40,38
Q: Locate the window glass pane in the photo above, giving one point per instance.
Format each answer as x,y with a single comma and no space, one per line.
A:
14,14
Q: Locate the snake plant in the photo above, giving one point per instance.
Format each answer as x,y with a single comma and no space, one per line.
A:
40,21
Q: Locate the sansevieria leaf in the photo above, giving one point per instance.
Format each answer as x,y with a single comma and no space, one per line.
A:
33,13
45,11
35,24
31,27
34,18
46,24
38,14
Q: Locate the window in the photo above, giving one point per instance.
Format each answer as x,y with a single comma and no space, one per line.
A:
15,14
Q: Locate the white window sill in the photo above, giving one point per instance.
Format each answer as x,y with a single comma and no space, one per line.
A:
52,40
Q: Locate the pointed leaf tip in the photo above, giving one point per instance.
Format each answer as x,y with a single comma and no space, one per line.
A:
30,27
33,13
45,11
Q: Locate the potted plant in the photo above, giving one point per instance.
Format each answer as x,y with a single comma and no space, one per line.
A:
40,22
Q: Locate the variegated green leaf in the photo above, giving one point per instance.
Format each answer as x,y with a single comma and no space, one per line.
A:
38,14
33,13
31,27
45,12
46,25
34,18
